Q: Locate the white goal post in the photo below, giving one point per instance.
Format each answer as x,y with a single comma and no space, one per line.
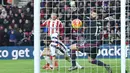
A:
123,36
37,36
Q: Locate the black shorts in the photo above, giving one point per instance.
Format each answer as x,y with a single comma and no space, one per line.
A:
91,50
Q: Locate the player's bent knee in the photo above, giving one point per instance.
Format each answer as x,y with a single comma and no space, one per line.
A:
46,52
90,59
73,47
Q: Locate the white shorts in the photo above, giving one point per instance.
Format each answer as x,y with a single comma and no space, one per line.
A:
57,44
55,51
54,37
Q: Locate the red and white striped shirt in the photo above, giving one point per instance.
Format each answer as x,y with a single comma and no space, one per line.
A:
54,26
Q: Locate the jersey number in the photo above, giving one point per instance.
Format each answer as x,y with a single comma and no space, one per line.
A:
98,30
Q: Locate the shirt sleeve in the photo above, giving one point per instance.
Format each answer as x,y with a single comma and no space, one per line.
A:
44,24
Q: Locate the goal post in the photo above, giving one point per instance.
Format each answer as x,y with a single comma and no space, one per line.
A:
36,36
118,64
123,36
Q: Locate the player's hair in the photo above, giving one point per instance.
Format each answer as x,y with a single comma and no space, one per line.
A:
53,14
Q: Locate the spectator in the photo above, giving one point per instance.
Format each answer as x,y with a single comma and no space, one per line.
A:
6,38
117,34
43,3
14,9
13,23
18,33
105,37
42,13
11,14
1,35
6,23
27,13
8,8
93,14
12,38
16,18
61,17
112,36
31,6
23,17
27,26
8,18
21,24
3,14
27,30
19,11
80,4
16,28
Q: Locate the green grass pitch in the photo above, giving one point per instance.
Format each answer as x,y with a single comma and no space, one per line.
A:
26,66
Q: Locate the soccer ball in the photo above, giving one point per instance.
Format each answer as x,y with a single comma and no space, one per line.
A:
76,23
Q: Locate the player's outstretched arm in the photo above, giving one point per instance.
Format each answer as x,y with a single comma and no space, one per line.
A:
44,23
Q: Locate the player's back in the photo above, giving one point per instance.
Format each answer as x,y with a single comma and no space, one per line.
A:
93,32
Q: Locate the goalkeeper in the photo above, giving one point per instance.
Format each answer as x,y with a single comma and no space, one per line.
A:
91,46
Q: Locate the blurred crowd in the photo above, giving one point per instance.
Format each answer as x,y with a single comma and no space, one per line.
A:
16,23
106,13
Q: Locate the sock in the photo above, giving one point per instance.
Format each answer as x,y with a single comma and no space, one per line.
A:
56,63
51,57
99,63
77,64
73,62
47,58
73,57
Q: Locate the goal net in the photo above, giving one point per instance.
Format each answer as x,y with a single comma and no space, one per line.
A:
127,36
101,22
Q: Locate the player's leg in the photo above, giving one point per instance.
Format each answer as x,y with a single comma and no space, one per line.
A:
47,56
61,51
92,59
56,62
73,57
73,48
75,64
56,39
49,52
52,48
64,49
48,62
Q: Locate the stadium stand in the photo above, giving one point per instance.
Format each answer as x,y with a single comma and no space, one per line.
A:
16,24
